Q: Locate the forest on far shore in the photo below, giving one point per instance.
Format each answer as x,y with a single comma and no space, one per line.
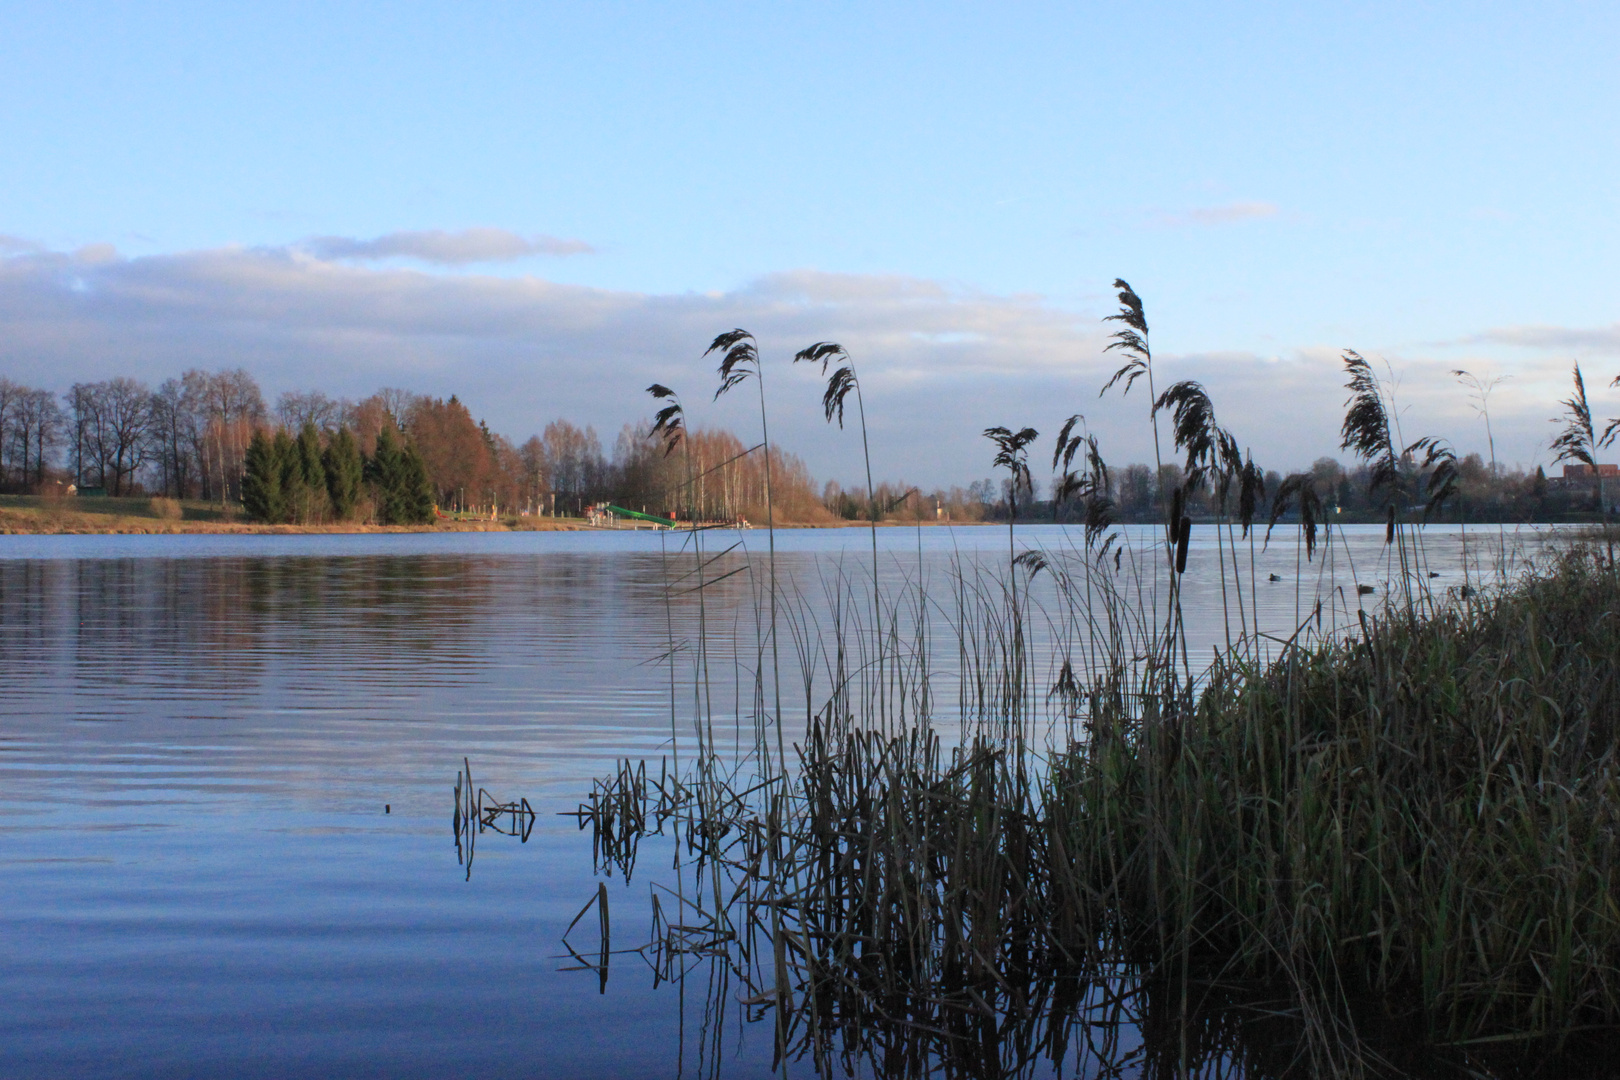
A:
193,437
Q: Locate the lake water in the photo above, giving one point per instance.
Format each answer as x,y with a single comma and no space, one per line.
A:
199,735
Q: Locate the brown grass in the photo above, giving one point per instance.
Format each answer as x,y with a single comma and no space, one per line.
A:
42,515
39,515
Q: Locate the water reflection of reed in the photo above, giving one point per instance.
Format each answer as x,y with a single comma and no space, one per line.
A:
477,812
898,912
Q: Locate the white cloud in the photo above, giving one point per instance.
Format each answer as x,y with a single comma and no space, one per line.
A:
1225,214
1600,341
938,362
17,245
447,248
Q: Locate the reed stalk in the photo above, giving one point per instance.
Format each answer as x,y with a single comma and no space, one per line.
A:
1398,834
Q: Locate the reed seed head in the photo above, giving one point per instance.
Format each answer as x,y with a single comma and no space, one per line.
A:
1132,341
739,358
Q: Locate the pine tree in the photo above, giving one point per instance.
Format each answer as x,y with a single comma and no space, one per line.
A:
382,473
312,472
294,493
345,472
414,494
261,480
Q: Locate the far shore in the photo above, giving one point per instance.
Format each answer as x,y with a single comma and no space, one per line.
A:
34,515
141,515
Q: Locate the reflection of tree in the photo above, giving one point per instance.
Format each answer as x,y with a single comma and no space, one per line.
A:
205,630
396,622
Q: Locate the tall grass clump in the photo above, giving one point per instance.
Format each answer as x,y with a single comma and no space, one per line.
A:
1429,812
1404,816
739,361
1579,441
1413,830
840,382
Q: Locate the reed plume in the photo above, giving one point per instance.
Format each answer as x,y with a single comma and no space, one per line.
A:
1091,485
1012,454
1369,432
1131,340
1251,491
1614,425
1213,460
1480,399
669,423
739,360
1439,467
1194,429
1578,441
1297,489
839,384
1366,432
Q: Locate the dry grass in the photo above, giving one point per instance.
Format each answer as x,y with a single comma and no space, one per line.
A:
166,509
29,514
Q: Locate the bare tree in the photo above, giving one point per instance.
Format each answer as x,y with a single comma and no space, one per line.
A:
233,407
30,433
296,408
111,421
178,437
10,394
532,454
39,428
574,462
398,403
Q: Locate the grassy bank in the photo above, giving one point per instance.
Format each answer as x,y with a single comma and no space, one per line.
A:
1429,813
33,514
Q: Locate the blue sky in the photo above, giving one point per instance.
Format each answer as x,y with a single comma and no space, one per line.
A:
947,189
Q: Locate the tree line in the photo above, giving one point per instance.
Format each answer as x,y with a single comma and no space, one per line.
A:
193,437
308,479
185,438
1483,492
389,458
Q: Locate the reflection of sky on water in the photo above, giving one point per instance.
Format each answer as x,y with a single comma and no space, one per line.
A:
199,735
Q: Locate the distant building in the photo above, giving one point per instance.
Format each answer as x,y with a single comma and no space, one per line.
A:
1584,472
1577,480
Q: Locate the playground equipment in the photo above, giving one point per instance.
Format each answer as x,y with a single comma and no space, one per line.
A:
607,515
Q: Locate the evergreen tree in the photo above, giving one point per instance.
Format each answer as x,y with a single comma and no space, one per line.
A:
345,472
261,480
294,493
312,471
382,473
414,494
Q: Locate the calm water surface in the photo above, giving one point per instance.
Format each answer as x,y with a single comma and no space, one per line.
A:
199,735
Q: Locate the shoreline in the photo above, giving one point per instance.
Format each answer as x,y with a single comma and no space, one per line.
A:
26,515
